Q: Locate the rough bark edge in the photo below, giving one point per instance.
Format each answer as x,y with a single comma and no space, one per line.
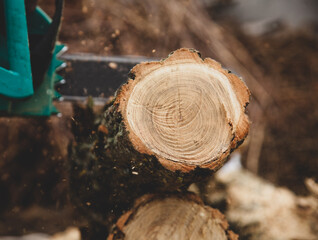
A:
118,234
188,56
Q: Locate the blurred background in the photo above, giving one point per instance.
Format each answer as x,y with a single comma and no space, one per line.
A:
271,44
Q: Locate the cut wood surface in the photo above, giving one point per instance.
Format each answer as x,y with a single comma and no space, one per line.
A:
172,217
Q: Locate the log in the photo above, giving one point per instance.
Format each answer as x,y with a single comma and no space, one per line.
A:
184,113
173,123
176,217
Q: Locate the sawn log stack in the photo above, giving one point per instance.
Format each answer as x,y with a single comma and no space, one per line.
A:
172,124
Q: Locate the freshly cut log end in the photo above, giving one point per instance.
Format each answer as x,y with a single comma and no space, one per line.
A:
172,217
186,111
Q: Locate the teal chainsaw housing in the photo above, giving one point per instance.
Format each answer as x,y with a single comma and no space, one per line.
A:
18,95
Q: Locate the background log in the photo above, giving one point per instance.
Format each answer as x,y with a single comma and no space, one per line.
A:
172,217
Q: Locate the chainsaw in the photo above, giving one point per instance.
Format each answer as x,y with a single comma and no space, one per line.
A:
31,58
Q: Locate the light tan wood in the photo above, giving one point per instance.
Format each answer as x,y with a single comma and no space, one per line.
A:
182,217
260,210
186,111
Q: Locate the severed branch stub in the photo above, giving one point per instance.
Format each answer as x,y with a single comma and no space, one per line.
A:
171,217
187,112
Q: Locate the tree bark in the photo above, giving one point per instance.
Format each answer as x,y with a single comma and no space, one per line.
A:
175,217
